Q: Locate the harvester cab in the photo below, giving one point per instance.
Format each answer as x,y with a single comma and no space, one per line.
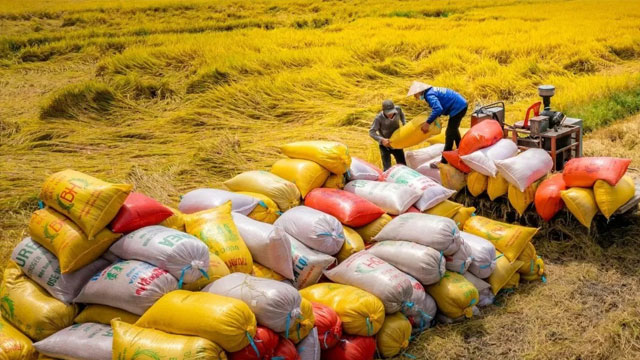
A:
551,130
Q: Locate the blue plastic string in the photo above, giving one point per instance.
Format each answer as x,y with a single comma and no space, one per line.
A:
298,332
369,328
184,269
40,204
287,324
544,279
253,345
204,273
279,212
440,263
409,355
261,203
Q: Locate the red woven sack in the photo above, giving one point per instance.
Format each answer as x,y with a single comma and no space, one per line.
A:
265,341
584,172
137,212
480,136
329,326
453,158
286,350
350,209
548,200
352,348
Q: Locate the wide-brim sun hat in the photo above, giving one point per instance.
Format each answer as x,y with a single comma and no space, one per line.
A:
418,87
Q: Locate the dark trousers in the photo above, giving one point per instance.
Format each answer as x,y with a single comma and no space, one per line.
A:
385,154
452,134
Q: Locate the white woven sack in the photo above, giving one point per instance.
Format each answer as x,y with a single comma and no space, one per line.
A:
432,192
204,199
308,264
422,308
309,348
483,160
268,244
484,255
422,262
437,232
525,168
317,230
376,276
181,254
426,170
275,304
362,170
418,157
42,266
130,285
461,259
79,341
393,198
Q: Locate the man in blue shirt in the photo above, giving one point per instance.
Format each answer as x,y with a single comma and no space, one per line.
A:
442,101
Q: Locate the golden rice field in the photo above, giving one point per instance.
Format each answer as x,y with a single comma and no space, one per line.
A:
173,95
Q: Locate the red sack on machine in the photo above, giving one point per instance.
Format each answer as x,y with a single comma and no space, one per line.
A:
583,172
482,135
329,325
350,209
286,350
352,348
453,158
548,200
137,212
266,342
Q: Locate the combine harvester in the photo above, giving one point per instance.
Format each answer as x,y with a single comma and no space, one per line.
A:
549,130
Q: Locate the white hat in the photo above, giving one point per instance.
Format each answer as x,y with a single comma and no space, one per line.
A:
418,87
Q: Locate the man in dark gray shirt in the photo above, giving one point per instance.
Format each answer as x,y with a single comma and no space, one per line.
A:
384,124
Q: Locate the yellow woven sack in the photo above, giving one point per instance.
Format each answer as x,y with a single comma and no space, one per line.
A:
131,342
451,178
394,335
410,134
266,273
14,345
463,214
513,282
446,208
582,204
331,155
503,272
440,138
334,182
305,174
352,244
89,202
103,314
520,200
476,183
528,257
497,186
281,191
226,321
30,308
64,239
302,325
217,269
536,272
610,198
361,312
372,229
455,295
175,221
266,211
215,227
508,238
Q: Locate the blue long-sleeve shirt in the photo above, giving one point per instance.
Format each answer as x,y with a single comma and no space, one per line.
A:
443,101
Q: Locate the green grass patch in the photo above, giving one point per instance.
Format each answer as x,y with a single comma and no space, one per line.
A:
605,111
